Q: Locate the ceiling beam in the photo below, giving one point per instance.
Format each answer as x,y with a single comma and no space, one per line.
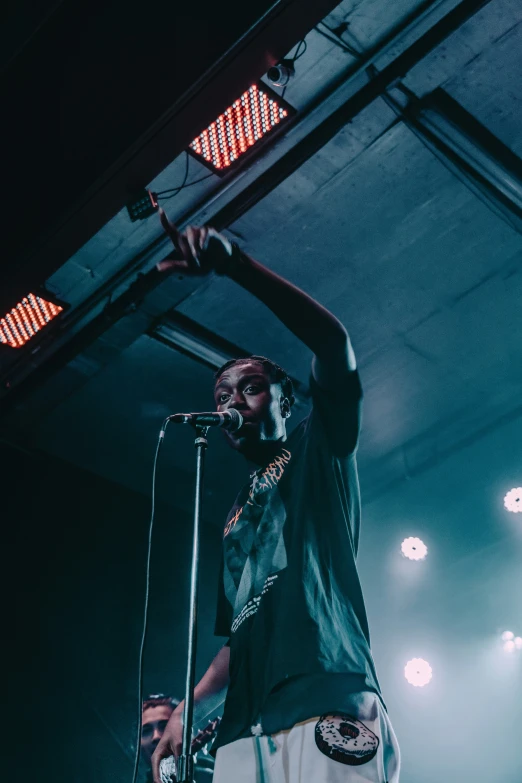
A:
21,381
468,149
326,130
105,96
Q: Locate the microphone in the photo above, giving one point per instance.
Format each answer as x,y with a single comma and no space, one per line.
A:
230,420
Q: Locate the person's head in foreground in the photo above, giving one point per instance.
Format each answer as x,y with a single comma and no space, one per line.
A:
156,711
262,392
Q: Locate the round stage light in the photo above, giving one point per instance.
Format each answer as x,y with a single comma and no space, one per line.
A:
513,500
414,548
509,646
418,672
518,642
507,636
281,73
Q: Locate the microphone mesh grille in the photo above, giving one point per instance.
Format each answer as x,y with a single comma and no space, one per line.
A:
236,420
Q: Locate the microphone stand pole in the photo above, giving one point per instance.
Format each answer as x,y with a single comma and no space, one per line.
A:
186,760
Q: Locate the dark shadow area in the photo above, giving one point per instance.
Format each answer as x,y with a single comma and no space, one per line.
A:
74,570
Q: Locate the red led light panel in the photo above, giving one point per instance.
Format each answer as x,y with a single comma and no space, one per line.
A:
28,317
249,119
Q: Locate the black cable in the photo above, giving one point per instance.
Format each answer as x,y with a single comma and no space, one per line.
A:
297,55
146,603
293,59
185,177
187,162
175,191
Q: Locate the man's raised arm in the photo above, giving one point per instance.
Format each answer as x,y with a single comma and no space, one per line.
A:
199,250
311,323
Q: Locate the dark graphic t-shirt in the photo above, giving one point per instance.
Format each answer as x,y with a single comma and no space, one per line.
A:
289,597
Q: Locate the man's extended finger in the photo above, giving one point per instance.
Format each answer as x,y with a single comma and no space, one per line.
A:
203,237
161,752
192,239
186,250
169,228
173,263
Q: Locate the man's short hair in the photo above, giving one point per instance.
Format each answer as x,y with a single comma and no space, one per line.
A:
277,373
159,700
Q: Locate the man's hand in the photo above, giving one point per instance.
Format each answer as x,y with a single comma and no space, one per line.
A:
171,742
197,251
209,694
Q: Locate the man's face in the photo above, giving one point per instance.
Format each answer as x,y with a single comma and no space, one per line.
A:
154,720
249,389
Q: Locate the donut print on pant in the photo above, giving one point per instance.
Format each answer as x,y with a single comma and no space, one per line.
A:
345,739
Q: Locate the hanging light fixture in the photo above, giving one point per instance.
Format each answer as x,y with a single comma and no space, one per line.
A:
253,117
32,314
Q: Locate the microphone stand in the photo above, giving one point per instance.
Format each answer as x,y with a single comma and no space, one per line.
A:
186,760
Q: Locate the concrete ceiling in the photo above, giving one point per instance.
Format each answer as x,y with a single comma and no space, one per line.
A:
428,280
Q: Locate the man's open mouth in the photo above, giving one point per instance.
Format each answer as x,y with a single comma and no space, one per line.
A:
247,424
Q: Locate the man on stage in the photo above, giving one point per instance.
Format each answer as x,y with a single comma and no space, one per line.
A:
156,711
303,703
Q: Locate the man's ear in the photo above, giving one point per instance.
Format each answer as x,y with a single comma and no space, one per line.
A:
286,408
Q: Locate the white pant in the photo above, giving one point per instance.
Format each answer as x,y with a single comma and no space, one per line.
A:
330,749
